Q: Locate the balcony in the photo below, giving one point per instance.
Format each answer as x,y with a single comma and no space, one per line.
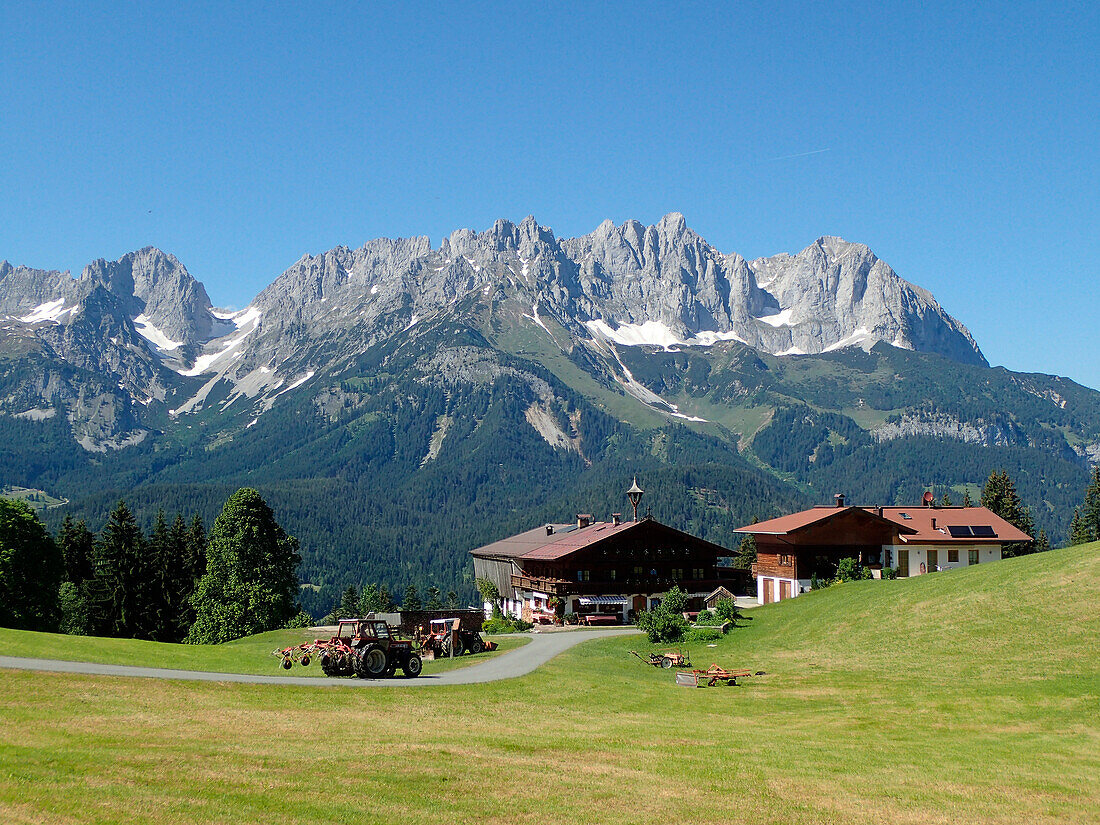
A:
611,587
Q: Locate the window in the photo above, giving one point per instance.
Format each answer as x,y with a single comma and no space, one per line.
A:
973,556
582,575
785,561
697,573
638,571
953,556
678,573
611,575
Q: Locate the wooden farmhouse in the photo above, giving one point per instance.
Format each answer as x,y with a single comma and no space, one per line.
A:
792,550
606,570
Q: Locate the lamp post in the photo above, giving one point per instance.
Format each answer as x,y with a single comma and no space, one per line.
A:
635,495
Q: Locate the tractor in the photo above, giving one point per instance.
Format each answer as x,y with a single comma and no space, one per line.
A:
442,636
361,647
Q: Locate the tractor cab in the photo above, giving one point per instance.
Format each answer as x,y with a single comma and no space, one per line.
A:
356,631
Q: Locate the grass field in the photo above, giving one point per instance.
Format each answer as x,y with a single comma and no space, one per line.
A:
966,696
249,655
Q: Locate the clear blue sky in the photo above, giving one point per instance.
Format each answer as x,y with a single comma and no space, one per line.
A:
960,144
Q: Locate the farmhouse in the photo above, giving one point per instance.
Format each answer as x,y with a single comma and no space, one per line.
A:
611,569
792,550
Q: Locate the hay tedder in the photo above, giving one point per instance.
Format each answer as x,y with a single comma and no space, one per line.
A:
361,647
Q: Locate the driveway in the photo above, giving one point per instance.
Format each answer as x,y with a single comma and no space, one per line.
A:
519,662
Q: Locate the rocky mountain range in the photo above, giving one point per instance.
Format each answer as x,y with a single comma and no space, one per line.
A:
594,353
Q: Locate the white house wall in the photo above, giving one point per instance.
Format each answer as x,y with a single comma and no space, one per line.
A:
918,555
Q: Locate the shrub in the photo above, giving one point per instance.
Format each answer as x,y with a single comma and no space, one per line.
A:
703,616
889,573
848,570
505,624
571,618
816,583
726,611
660,625
709,619
303,619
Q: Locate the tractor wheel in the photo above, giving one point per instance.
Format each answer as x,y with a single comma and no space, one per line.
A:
413,666
391,669
372,663
476,645
666,662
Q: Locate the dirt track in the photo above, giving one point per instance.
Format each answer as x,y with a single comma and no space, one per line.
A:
542,648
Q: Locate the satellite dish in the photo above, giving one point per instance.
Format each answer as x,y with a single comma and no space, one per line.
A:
928,498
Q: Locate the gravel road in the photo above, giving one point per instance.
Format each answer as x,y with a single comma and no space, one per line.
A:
541,649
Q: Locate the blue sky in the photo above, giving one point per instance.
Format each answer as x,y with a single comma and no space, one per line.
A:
960,144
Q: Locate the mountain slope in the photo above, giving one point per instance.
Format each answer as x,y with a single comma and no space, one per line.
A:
402,403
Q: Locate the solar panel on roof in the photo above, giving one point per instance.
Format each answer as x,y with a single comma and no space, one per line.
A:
959,531
983,531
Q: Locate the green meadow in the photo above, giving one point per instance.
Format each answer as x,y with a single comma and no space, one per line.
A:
965,696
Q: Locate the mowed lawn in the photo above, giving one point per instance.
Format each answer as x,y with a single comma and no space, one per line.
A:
249,655
966,696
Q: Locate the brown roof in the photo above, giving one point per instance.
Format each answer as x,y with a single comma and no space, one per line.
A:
920,519
568,539
914,523
785,525
576,539
522,543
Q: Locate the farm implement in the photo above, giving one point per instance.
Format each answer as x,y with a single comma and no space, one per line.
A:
666,659
712,676
446,637
361,647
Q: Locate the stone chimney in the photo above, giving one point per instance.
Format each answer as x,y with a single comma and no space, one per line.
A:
839,497
583,519
549,529
616,519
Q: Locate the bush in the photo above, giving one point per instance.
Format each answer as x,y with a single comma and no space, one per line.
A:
505,624
889,573
848,570
303,619
571,618
726,611
816,583
708,618
660,625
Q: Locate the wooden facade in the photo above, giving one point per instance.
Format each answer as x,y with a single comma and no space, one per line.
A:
604,567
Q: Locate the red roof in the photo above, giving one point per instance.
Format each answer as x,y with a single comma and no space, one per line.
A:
914,523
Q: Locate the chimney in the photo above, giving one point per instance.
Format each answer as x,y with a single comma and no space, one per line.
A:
583,519
549,529
878,511
933,524
616,519
839,499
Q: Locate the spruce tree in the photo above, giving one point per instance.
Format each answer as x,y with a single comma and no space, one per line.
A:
1078,532
76,541
946,500
1042,543
250,584
433,601
117,592
452,600
966,499
1090,512
999,495
158,619
31,570
349,604
412,599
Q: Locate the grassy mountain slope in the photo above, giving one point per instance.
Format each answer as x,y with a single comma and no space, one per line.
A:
964,696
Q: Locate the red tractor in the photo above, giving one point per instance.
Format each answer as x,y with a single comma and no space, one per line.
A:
442,635
361,647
